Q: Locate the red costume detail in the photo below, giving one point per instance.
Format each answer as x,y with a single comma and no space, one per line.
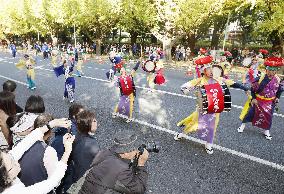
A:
215,98
126,85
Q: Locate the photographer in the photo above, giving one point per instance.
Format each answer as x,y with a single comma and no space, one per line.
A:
111,170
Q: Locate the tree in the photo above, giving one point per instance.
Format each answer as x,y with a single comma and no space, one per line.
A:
219,19
138,17
72,15
272,22
194,19
99,17
167,12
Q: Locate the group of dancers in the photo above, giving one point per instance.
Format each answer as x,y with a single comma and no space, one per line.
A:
263,88
213,97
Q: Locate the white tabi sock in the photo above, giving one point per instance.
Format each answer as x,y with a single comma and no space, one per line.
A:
241,128
208,146
266,132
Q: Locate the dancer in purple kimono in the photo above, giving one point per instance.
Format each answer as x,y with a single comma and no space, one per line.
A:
265,91
127,88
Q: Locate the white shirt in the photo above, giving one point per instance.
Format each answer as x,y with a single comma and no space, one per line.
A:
3,142
43,187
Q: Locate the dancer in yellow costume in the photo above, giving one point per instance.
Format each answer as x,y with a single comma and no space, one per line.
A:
29,63
204,123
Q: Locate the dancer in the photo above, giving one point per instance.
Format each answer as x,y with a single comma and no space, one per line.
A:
79,71
29,63
13,50
252,73
127,92
117,64
154,69
69,79
265,94
30,72
45,51
213,98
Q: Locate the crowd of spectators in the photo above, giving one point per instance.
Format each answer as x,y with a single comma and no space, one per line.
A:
42,154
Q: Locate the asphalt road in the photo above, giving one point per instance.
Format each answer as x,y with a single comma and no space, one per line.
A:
241,163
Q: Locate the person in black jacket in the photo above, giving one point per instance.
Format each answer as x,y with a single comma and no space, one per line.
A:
85,146
112,172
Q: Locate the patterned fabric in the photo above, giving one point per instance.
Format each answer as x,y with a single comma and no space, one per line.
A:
69,88
265,93
206,126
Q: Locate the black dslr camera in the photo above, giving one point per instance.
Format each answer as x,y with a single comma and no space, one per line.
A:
150,147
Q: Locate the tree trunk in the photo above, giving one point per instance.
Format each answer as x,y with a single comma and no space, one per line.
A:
119,39
215,36
153,39
191,42
114,32
133,38
244,39
281,40
98,46
167,48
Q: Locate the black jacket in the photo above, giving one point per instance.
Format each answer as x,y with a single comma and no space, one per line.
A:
111,174
85,148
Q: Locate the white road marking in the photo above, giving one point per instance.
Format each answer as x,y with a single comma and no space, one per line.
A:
218,147
161,91
14,80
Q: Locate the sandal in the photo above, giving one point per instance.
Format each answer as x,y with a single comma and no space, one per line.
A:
177,137
209,151
269,137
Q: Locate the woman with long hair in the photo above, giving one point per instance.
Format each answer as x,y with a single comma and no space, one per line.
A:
21,125
7,109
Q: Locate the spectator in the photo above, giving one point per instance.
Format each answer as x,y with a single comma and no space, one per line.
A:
182,53
22,124
85,146
57,144
177,52
7,109
57,141
10,168
40,157
188,52
11,86
110,170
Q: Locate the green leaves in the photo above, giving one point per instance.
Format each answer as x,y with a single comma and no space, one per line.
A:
166,19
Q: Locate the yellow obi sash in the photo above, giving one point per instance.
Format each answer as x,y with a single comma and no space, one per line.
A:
262,98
